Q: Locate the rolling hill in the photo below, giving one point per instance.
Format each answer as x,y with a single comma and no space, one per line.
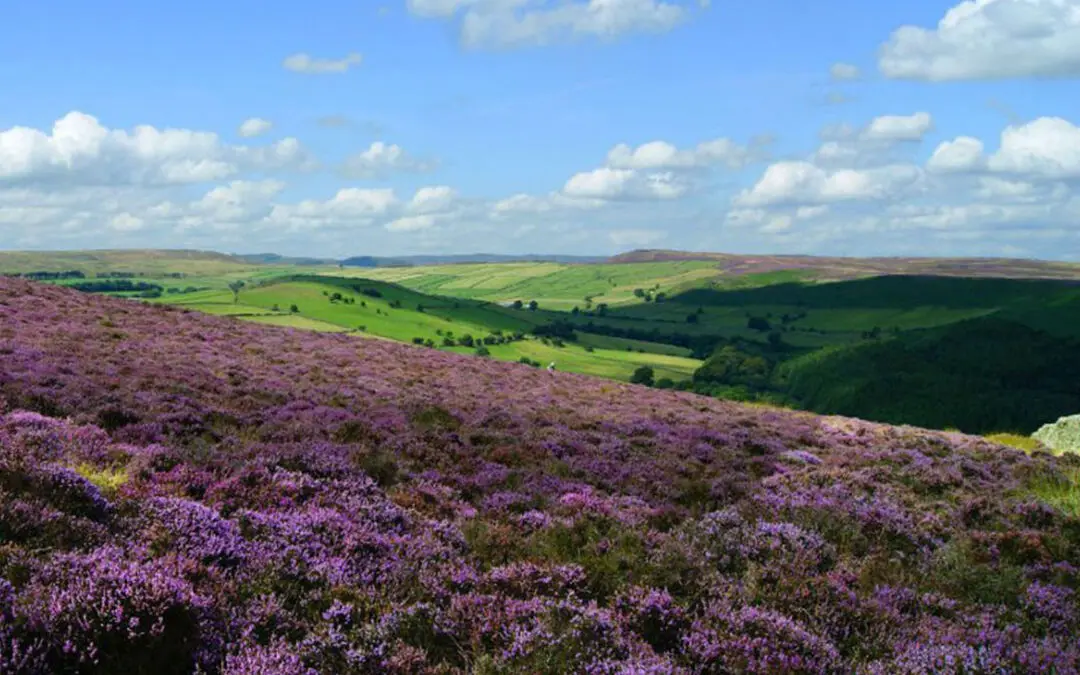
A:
614,318
379,309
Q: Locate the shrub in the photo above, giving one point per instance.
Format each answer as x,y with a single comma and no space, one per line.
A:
643,375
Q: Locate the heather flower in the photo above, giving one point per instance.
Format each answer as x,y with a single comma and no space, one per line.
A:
752,640
194,531
654,615
298,503
279,659
102,610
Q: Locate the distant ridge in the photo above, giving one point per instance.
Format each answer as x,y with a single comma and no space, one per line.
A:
275,259
460,259
849,268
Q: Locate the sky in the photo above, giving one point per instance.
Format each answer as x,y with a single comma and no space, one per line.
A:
335,128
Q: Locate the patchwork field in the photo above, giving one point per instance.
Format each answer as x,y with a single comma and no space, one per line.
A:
396,315
553,286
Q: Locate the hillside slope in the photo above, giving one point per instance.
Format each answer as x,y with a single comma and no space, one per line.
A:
848,268
247,499
981,376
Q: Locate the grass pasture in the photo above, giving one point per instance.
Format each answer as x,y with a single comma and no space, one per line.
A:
553,285
378,317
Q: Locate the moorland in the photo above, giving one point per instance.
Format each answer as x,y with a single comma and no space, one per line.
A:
182,492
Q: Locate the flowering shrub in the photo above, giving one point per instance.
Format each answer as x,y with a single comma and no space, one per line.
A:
184,493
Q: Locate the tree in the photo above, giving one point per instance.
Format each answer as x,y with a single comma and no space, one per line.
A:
482,351
661,297
533,305
448,341
639,292
575,311
293,309
758,323
235,287
643,375
518,304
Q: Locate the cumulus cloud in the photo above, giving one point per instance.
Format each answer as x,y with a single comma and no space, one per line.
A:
1048,146
255,127
844,72
518,23
804,183
618,184
381,159
899,127
989,39
433,199
237,202
875,144
125,222
664,155
411,223
961,154
521,203
656,170
309,65
79,150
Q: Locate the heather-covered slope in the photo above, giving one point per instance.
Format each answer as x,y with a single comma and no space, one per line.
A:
244,500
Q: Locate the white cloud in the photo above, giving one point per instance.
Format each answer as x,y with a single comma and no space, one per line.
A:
899,127
1048,146
255,126
411,223
989,39
805,183
809,212
79,150
521,203
125,222
615,184
519,23
843,72
961,154
357,207
875,144
381,159
304,63
664,155
433,199
237,202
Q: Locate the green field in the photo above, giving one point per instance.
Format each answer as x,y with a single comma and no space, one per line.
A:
553,286
377,317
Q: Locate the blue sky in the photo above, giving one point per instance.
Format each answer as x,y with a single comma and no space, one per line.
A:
556,126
